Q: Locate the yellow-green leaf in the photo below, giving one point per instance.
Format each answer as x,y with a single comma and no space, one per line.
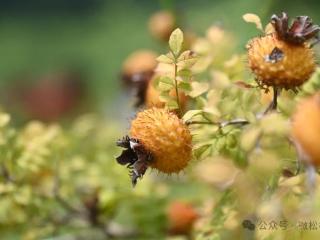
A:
185,86
253,18
175,41
198,89
190,114
249,138
164,59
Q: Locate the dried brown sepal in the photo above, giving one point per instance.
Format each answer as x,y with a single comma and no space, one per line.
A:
135,157
301,30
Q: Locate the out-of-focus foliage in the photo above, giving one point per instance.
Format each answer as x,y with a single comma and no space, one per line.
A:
64,182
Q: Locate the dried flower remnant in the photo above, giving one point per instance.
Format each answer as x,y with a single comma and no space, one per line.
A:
135,157
301,30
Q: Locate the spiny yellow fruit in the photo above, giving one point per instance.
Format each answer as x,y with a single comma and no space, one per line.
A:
152,98
165,136
284,58
292,70
306,128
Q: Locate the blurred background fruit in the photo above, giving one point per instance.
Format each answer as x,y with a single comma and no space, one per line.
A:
49,98
161,24
182,217
137,71
306,129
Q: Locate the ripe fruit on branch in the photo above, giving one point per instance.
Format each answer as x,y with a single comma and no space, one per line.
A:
306,128
284,58
158,139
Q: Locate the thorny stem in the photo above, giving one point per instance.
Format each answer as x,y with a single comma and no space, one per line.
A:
274,103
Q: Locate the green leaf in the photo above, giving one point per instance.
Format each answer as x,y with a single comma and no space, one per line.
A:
172,104
201,150
201,102
165,97
184,73
198,89
166,80
280,125
165,84
185,86
175,41
211,113
186,55
190,114
187,59
165,59
250,138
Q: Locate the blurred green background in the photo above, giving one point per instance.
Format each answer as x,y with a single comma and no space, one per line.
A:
95,36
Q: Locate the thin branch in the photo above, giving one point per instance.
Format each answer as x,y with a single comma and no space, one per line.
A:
200,122
66,205
58,197
239,121
223,124
274,103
